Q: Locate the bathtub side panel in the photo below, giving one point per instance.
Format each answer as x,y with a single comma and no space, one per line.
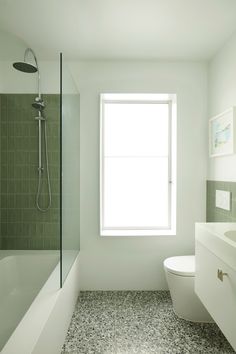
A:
53,335
19,292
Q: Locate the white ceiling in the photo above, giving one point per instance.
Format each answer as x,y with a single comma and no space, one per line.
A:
121,29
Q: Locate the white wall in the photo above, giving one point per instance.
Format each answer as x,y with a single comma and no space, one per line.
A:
136,262
222,95
13,81
11,46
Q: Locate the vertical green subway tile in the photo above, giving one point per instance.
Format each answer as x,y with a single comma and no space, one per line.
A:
19,173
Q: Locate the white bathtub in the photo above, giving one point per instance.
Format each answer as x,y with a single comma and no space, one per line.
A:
31,301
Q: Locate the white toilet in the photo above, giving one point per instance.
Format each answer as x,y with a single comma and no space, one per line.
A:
180,274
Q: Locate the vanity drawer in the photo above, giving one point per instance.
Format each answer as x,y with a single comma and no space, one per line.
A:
216,290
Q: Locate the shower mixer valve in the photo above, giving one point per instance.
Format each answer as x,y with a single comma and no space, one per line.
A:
39,118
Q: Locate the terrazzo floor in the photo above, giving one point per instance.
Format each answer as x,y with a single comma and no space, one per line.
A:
128,322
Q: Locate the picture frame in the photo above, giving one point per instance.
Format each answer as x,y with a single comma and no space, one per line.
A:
222,133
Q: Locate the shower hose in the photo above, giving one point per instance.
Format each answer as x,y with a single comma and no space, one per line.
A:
40,176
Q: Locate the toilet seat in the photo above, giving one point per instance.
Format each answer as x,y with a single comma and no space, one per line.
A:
181,265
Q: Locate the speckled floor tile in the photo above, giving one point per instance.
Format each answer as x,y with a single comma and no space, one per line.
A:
142,322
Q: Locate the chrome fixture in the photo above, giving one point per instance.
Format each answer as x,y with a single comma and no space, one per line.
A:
27,67
221,274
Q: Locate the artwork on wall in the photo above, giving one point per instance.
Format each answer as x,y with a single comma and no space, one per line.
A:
222,133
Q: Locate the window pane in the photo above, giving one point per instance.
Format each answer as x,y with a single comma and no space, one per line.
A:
136,192
135,129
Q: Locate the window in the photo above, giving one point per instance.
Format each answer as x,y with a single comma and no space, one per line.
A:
137,164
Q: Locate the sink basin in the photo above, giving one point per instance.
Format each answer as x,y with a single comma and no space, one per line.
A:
231,235
220,239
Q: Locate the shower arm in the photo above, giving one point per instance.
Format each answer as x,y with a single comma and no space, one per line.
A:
27,52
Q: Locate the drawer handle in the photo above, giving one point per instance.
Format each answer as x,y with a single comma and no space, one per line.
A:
220,274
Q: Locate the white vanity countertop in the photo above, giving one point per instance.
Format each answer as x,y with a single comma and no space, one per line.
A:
211,235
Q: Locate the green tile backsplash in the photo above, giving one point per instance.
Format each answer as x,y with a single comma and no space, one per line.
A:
22,225
215,214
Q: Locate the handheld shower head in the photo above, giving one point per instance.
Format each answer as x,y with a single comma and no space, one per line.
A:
38,104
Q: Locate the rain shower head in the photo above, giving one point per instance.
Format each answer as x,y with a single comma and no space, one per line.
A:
25,67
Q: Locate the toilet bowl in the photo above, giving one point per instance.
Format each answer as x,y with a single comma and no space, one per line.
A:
180,274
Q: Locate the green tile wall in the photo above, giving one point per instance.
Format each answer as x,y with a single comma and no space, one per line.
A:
215,214
22,225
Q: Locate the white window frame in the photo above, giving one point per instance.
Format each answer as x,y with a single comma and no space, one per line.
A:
169,99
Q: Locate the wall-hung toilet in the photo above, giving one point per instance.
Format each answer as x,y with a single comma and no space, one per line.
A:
180,274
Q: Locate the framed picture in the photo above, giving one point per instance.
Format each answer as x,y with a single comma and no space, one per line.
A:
222,133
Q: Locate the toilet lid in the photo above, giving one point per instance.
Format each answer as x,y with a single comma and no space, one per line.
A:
181,265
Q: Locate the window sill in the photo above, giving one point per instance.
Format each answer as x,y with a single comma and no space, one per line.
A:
138,233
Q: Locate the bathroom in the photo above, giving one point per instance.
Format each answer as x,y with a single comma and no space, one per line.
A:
69,281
